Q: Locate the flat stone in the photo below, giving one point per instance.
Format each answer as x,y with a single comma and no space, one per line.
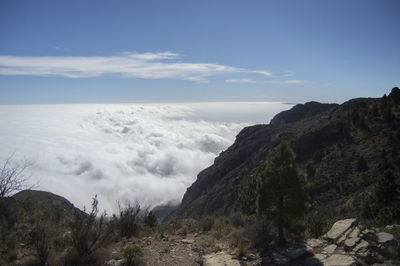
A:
320,256
330,249
361,247
355,233
314,243
339,228
219,259
351,242
342,238
338,260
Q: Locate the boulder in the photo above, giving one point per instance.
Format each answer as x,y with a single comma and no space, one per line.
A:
339,228
385,238
387,244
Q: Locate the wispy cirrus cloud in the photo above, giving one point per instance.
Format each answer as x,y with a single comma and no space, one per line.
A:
246,80
292,81
242,80
163,65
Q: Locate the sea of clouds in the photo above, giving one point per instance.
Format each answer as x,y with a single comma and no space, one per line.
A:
145,152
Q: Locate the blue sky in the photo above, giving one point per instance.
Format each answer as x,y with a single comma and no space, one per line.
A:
133,51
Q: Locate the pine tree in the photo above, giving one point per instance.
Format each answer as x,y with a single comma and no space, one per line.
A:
281,190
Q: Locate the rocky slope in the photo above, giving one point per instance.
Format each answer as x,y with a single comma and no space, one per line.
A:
346,243
343,150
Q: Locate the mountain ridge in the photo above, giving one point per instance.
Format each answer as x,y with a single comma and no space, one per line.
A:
331,148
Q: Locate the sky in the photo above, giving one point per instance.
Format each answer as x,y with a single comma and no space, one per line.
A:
197,51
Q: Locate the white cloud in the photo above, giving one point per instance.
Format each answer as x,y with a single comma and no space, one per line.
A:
293,81
245,80
242,80
148,152
164,65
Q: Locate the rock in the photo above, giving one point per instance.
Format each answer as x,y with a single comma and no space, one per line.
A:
187,241
115,262
219,259
252,256
339,260
339,228
320,256
314,243
384,237
330,249
392,227
355,233
361,247
368,234
351,242
387,243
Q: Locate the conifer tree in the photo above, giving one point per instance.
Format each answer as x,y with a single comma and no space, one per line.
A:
281,190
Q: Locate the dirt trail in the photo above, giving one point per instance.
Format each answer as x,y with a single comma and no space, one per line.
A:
192,249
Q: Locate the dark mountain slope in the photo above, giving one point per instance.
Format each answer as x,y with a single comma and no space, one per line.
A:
342,149
46,203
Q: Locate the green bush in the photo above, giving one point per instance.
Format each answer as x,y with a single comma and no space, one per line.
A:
237,219
316,225
207,223
132,256
150,220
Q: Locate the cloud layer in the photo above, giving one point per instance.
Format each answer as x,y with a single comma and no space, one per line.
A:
137,65
145,152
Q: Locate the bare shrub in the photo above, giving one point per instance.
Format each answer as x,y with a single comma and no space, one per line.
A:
13,177
127,223
259,231
88,232
221,228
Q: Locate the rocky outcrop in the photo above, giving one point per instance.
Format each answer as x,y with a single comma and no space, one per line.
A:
346,243
339,228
